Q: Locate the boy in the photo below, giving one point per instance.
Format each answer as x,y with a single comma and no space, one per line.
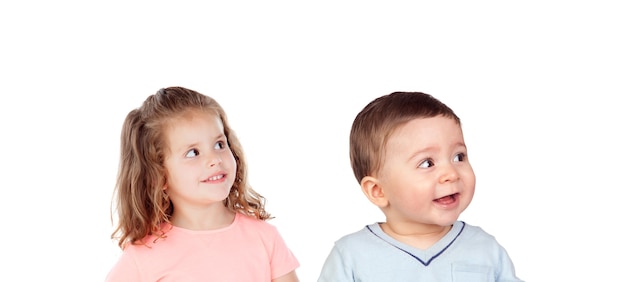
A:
408,153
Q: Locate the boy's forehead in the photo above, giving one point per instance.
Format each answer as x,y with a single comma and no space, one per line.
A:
425,129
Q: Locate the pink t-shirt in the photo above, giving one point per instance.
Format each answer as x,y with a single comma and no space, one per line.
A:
247,250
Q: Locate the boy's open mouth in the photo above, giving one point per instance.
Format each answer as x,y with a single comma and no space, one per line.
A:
447,199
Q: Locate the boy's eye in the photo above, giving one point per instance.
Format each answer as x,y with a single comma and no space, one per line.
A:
426,164
460,157
192,153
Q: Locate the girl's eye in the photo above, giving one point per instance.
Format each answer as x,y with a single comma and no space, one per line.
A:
220,145
426,164
460,157
192,153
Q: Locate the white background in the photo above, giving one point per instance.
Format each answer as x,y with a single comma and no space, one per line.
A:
538,85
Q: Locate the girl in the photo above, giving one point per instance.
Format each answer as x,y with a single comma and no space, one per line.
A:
186,212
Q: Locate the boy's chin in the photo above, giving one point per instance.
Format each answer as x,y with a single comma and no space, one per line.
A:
445,222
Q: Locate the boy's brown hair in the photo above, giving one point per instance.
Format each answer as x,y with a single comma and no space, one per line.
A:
378,120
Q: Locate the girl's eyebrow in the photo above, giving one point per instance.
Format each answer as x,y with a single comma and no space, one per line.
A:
195,144
184,148
460,144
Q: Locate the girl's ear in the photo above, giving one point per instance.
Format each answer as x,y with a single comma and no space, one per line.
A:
165,182
373,191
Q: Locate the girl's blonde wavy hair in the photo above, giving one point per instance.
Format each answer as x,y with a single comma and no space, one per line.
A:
138,197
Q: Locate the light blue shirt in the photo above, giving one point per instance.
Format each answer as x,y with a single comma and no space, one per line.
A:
466,253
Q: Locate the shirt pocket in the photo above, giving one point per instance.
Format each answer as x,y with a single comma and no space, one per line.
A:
472,273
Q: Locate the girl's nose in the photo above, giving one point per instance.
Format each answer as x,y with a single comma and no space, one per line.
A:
215,160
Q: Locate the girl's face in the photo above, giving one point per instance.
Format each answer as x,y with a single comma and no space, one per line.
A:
426,177
200,167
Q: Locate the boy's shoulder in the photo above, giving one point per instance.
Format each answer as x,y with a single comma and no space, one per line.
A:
476,232
365,235
372,233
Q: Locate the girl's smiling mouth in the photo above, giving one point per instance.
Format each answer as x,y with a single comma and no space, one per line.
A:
215,178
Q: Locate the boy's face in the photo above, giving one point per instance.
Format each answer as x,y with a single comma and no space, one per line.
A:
425,175
200,166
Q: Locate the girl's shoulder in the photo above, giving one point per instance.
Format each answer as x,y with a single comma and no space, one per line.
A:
251,221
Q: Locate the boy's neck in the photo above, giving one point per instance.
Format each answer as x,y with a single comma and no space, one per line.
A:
419,236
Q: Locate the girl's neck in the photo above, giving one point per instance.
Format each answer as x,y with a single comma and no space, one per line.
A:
205,219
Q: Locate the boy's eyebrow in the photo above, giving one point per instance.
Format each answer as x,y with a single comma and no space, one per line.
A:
421,151
433,148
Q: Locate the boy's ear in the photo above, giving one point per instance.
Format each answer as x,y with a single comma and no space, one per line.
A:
373,191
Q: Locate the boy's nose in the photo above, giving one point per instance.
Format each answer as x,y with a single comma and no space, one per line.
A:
448,174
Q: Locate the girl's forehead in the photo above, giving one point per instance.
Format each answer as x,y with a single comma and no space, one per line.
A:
189,118
192,128
190,115
196,113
